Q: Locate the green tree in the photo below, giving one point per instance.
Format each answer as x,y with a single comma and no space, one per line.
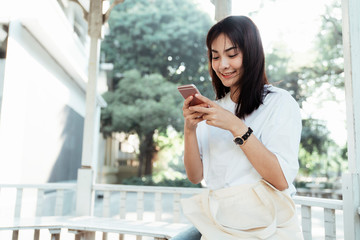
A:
161,39
328,67
315,135
160,36
326,72
277,71
318,154
142,104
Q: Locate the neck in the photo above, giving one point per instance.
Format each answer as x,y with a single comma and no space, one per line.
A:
234,95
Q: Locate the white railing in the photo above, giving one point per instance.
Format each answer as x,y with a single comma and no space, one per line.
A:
39,202
58,188
156,204
140,191
329,206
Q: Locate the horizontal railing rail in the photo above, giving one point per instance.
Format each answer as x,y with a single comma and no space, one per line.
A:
49,186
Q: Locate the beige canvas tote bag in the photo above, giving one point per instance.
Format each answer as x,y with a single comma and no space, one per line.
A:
254,211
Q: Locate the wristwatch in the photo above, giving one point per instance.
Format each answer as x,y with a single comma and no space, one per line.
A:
242,140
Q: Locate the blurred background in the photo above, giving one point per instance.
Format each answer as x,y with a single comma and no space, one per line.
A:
149,47
303,45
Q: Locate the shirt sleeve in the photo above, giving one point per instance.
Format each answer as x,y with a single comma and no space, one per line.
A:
282,132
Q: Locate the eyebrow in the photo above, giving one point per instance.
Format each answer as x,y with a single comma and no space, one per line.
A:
226,50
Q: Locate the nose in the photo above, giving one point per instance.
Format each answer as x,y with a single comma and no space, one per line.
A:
224,63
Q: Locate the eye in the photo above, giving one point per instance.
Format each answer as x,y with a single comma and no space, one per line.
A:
233,55
215,58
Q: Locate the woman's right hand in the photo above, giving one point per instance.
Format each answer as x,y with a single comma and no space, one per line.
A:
192,118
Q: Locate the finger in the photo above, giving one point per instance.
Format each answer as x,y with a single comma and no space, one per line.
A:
197,115
204,110
208,117
209,122
197,120
189,112
194,115
202,105
187,102
193,119
205,100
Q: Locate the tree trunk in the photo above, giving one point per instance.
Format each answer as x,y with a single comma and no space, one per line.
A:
141,160
147,151
149,163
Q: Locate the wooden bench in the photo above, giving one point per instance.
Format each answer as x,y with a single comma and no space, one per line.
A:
85,227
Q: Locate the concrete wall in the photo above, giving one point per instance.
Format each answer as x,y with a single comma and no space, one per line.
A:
43,102
42,114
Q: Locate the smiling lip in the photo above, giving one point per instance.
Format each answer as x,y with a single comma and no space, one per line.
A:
228,75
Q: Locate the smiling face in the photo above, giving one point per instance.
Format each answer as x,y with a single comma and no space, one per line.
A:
227,61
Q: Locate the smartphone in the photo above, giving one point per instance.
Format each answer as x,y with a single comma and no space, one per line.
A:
190,90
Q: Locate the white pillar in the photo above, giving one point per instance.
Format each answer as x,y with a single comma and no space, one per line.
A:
222,8
351,185
90,133
84,198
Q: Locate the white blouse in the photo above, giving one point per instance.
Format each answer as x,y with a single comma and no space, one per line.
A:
276,123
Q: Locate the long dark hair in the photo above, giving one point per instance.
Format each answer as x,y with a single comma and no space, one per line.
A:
244,34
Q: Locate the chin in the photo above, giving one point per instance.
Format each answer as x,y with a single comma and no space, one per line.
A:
227,83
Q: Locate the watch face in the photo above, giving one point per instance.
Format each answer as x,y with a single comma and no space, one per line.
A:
239,141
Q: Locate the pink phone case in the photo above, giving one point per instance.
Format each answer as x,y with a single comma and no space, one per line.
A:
190,90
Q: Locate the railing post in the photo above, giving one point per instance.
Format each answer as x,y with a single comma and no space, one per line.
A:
84,193
351,202
17,214
39,210
55,234
330,224
306,222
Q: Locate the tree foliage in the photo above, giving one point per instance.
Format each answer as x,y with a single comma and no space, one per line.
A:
164,40
279,75
328,67
314,136
319,154
142,104
160,36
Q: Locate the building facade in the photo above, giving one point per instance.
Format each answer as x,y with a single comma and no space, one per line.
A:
43,78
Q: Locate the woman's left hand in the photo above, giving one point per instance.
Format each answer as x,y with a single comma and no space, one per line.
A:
217,116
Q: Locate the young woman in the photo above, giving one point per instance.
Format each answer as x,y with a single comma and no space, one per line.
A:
252,131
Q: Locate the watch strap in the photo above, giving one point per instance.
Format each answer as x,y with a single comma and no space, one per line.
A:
247,134
243,137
